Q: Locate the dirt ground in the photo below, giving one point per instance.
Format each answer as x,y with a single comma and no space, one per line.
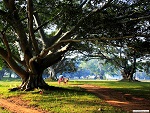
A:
17,105
126,102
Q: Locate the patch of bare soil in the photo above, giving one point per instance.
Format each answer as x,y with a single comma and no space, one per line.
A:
126,102
17,105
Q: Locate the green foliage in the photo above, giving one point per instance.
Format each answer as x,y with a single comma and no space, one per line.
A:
66,65
98,67
91,65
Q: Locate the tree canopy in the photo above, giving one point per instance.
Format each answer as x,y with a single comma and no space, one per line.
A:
37,34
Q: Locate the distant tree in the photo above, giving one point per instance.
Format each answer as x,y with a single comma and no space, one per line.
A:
66,65
98,67
127,59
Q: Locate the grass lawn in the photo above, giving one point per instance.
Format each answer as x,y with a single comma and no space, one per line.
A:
73,100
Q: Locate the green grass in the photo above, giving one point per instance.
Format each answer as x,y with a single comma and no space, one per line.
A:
6,84
139,89
71,100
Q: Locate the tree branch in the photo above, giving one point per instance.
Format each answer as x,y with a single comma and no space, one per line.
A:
3,53
53,58
135,19
9,50
44,52
19,61
6,43
47,41
55,38
67,35
40,26
13,65
31,30
82,4
40,29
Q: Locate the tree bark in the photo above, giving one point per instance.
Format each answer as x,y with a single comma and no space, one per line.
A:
31,82
127,73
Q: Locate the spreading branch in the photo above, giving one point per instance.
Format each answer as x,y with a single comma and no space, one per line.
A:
6,44
69,34
82,4
4,39
31,30
43,53
14,66
47,41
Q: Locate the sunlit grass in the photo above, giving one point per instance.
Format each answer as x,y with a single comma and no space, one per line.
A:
70,101
8,84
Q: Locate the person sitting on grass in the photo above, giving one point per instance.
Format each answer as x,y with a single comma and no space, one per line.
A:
61,78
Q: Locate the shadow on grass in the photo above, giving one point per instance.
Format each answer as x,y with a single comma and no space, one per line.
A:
75,98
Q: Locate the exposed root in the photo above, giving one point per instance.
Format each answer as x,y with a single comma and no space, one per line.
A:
34,83
51,88
14,89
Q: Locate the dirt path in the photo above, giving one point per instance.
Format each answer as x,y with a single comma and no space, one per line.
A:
16,108
126,102
16,105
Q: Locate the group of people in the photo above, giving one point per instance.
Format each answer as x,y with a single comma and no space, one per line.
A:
62,79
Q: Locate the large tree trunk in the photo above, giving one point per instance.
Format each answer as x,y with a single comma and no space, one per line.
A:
127,74
31,74
33,81
129,70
